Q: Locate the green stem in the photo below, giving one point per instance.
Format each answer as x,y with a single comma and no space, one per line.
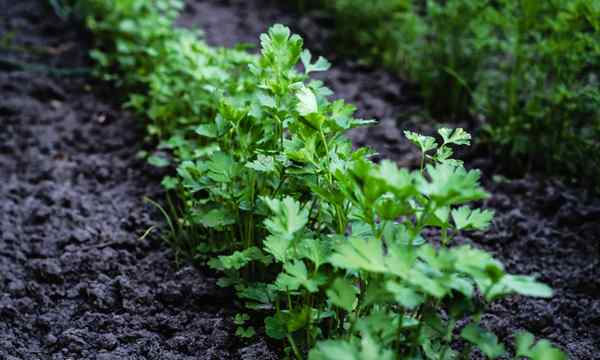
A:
294,347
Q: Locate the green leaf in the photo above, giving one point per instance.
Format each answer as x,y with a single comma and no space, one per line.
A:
277,246
315,250
372,350
295,275
425,143
307,101
526,285
457,136
222,167
267,101
279,49
543,350
443,154
421,278
245,332
343,294
406,296
239,259
240,319
486,271
399,181
461,284
217,218
486,341
334,350
466,218
169,182
262,163
301,150
288,217
451,185
207,130
320,65
276,326
359,254
258,292
158,161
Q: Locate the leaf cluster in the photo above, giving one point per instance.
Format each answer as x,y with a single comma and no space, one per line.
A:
528,67
347,257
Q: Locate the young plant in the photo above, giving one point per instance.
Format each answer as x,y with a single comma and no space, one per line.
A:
310,232
242,331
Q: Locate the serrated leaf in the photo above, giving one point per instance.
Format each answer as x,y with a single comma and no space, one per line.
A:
169,182
450,184
365,348
320,65
343,294
466,218
373,350
221,167
408,297
216,218
457,136
486,341
279,49
359,254
461,284
295,275
277,246
543,350
258,292
239,259
262,163
307,102
315,250
486,271
240,319
425,143
443,154
334,350
288,217
399,181
245,332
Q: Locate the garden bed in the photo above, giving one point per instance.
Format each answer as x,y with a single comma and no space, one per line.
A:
78,283
75,280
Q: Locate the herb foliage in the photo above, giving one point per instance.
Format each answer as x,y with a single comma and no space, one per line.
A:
346,257
529,68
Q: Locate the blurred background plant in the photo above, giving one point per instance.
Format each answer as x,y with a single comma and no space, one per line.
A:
528,68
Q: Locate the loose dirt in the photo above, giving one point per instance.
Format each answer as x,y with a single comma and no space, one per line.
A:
77,283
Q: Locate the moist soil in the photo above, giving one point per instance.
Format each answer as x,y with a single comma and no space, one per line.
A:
76,281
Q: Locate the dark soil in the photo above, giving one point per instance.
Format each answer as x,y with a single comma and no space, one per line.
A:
77,283
75,280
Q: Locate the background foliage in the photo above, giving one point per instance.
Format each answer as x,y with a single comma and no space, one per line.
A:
528,67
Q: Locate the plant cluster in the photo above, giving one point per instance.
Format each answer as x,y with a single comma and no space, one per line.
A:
529,67
346,258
